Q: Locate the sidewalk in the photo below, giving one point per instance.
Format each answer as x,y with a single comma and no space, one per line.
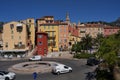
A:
59,55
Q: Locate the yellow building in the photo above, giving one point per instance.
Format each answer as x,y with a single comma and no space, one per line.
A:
30,23
14,36
48,25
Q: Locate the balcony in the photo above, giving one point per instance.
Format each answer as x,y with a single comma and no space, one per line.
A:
52,43
17,46
51,37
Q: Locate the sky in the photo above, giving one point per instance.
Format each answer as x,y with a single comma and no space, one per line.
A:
79,10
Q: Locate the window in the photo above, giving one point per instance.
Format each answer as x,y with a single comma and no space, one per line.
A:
39,36
19,37
52,27
109,30
64,35
48,33
98,29
12,37
11,26
65,40
19,28
44,27
6,45
64,30
82,31
66,67
29,26
48,27
52,33
29,20
40,43
20,44
11,32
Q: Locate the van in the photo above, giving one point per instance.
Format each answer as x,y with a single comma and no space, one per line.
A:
61,68
36,58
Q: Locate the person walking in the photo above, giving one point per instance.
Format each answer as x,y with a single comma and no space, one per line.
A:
35,75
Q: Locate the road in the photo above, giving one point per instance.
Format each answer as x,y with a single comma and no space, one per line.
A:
79,70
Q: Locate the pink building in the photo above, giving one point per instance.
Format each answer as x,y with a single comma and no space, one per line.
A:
109,30
63,36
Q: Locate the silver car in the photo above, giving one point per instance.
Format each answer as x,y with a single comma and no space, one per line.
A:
5,75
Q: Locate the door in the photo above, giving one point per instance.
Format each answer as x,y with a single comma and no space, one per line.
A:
66,69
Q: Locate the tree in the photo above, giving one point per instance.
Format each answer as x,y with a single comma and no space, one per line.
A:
86,42
76,47
109,49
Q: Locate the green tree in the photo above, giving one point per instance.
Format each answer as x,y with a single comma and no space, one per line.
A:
86,42
109,49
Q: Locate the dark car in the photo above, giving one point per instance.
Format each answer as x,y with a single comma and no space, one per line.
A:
92,61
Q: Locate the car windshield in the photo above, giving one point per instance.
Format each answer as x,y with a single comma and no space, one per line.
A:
5,72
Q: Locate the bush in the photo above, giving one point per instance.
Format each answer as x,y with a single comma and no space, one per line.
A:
83,55
104,75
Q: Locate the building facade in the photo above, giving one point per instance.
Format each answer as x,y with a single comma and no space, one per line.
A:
92,29
48,25
109,30
30,23
63,36
42,43
15,36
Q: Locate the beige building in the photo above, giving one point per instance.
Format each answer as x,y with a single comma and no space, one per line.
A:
92,29
1,40
30,23
14,36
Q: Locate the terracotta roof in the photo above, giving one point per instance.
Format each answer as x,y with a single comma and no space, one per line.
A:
48,17
110,27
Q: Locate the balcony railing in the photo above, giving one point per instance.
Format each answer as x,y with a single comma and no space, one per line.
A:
52,37
19,46
52,43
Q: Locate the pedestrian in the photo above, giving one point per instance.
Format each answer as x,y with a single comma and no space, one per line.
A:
35,75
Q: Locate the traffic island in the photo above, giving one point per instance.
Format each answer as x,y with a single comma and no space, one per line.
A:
31,67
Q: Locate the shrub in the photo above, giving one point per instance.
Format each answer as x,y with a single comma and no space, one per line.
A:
83,55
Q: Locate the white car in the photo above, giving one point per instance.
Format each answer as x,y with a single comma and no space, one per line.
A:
4,75
61,68
35,58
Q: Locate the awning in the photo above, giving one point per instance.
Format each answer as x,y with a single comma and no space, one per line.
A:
2,51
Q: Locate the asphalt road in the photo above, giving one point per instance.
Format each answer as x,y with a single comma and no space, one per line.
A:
79,70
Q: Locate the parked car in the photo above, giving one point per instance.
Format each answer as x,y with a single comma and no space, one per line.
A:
36,58
92,61
5,75
61,68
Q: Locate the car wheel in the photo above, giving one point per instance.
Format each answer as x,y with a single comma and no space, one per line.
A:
58,73
70,70
7,78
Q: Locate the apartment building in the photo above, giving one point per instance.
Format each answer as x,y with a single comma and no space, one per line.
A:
48,25
109,30
30,23
73,35
1,40
15,37
92,29
63,36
